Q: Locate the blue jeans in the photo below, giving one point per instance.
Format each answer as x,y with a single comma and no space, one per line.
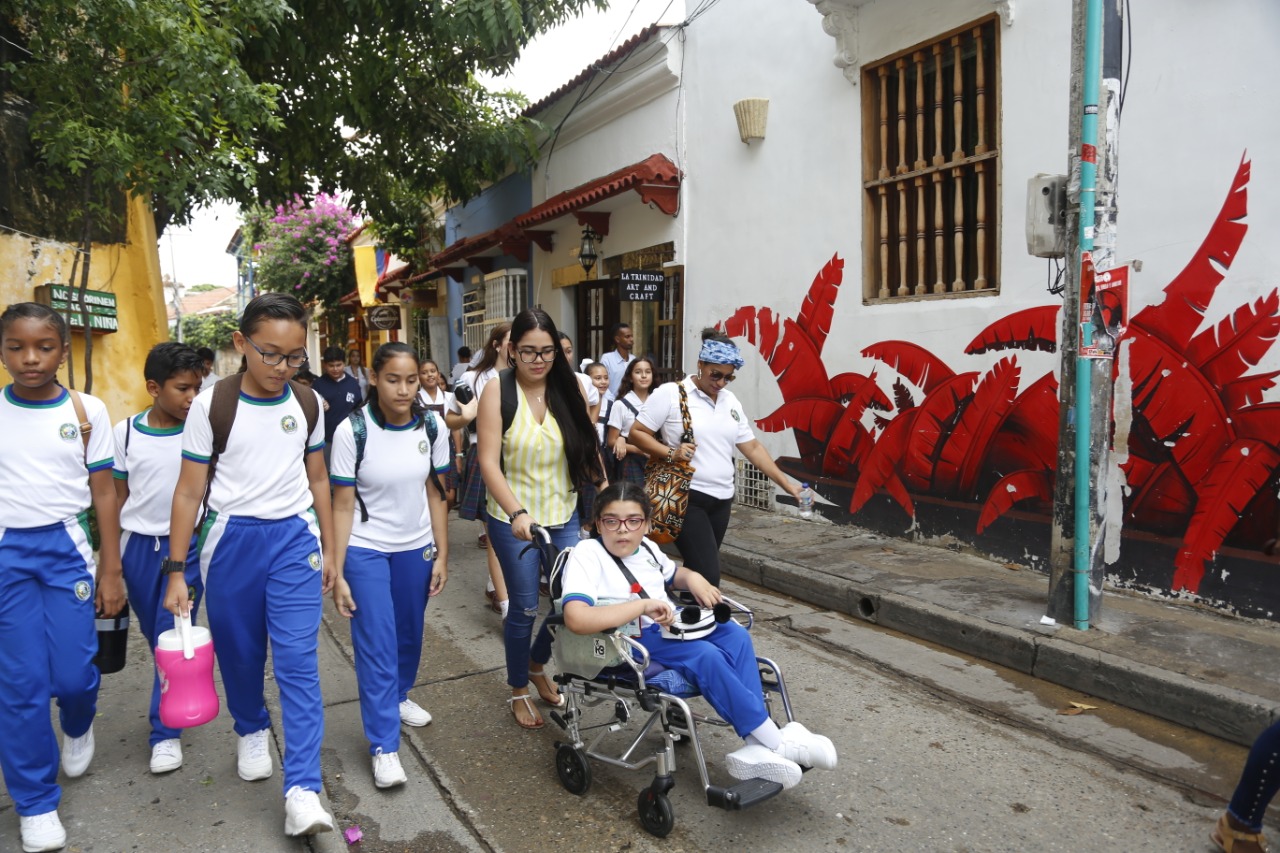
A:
1259,781
522,574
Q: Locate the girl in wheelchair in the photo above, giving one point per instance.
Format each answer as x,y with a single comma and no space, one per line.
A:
722,664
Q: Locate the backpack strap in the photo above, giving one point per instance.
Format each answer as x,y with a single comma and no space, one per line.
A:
433,432
128,434
222,414
510,399
360,428
83,417
310,408
603,417
624,401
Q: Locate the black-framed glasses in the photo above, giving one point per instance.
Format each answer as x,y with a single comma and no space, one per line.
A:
612,523
271,359
717,376
529,356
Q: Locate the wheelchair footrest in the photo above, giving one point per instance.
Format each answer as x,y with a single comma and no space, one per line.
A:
743,795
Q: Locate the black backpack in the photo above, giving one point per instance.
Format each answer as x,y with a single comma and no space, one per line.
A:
360,427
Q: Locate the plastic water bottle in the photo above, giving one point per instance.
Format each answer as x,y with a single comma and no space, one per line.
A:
806,501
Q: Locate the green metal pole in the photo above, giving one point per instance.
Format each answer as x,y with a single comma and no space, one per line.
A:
1084,416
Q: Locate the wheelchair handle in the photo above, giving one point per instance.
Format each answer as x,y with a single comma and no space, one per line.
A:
540,532
751,617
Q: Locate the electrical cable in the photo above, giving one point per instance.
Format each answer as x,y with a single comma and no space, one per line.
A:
1127,42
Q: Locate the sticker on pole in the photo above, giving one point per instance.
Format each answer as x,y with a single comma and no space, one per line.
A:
1104,308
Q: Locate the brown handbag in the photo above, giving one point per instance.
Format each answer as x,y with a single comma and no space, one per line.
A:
667,481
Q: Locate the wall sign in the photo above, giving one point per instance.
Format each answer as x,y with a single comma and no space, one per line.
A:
383,317
640,286
98,304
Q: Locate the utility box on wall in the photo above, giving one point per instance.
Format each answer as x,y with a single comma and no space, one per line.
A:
1047,216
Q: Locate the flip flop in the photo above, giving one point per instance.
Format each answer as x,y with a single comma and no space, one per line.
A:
533,712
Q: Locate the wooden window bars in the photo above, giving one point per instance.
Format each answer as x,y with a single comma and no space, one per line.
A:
930,177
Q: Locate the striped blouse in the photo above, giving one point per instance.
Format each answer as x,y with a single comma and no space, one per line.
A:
533,459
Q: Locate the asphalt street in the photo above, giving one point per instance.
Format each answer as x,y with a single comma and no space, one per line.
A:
938,751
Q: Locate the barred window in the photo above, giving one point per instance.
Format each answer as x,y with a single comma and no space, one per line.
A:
931,143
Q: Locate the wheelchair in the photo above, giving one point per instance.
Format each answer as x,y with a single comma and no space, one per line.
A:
611,686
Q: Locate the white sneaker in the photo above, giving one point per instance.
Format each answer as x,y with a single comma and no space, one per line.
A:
166,756
807,749
303,814
253,756
758,762
77,752
413,714
42,832
387,772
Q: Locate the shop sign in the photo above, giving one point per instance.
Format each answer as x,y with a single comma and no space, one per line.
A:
383,317
98,304
640,286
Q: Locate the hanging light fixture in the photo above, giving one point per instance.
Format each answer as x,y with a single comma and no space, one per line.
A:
587,255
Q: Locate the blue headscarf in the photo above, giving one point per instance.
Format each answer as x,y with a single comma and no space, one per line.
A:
719,352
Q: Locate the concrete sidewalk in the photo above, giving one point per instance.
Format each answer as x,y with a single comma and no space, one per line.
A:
1180,662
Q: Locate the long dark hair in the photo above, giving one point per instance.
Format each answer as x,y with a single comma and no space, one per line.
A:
627,385
490,357
34,311
564,399
386,352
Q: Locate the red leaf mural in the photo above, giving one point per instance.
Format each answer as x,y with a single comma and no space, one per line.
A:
1162,499
1018,486
1224,352
846,385
820,302
921,367
814,416
1237,475
850,441
1178,316
1260,422
879,469
1029,329
960,460
1247,390
1028,438
937,417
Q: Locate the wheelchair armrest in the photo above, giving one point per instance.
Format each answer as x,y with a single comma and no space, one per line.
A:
639,665
751,617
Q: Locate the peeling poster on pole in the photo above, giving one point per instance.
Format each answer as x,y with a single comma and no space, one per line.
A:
1104,309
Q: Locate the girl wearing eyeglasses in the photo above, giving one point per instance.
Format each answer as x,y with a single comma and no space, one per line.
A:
722,664
719,426
532,473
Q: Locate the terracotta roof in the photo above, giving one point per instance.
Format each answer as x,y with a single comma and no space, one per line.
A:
619,52
205,302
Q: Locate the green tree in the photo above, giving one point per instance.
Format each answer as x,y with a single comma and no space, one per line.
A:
209,330
146,97
300,248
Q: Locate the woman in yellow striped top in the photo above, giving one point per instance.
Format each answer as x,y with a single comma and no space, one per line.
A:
532,473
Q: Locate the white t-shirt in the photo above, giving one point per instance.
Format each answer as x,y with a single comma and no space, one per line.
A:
718,427
393,480
621,416
261,474
441,403
151,465
591,575
43,477
477,383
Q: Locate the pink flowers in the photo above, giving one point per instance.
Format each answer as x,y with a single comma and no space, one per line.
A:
301,248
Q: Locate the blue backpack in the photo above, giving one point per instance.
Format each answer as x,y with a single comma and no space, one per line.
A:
360,427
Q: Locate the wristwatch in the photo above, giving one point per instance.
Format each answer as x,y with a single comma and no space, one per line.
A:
169,567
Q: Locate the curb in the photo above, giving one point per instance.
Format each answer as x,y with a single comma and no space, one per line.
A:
1223,712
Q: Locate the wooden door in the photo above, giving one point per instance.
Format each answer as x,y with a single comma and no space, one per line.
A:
597,312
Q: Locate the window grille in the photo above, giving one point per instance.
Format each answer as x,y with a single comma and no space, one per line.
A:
931,142
751,487
474,331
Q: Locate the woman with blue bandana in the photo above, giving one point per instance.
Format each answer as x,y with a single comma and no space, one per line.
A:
719,425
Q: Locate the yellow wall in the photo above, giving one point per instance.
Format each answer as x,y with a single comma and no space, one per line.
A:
132,272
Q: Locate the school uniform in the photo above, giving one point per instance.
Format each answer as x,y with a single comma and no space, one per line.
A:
722,664
260,558
441,403
389,561
621,417
47,638
150,460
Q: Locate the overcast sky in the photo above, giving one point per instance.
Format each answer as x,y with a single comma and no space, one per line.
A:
197,254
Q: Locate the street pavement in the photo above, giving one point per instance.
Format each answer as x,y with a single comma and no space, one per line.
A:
940,749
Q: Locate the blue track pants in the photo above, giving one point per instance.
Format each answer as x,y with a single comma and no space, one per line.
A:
141,556
722,665
390,591
262,581
47,644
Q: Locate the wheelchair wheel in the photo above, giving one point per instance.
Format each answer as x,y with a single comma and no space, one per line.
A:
656,815
573,769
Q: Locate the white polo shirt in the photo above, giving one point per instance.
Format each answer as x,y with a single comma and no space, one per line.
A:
718,427
624,413
42,460
261,474
392,480
591,575
150,464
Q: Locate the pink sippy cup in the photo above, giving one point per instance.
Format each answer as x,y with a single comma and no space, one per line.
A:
184,662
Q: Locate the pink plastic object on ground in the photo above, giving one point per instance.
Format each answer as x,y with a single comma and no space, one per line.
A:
184,662
353,834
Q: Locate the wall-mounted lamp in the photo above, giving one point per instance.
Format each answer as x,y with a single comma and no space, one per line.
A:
587,254
752,115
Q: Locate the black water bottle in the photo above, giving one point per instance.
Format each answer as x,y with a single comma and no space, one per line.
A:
113,635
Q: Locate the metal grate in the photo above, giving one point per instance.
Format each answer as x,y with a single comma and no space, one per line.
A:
751,487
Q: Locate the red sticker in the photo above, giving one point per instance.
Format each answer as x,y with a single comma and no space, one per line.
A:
1088,153
635,588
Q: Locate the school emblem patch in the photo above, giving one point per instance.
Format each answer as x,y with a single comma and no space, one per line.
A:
314,560
423,447
69,432
289,424
83,590
735,414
